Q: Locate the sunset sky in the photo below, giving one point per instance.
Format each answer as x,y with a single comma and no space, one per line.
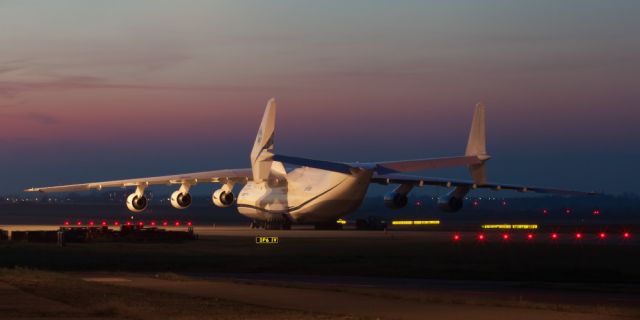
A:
93,90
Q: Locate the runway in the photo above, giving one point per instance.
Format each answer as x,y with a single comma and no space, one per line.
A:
505,237
327,274
488,237
430,235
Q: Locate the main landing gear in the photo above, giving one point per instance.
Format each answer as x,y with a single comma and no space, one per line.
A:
271,225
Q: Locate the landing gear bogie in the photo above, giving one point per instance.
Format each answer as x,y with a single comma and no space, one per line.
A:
271,225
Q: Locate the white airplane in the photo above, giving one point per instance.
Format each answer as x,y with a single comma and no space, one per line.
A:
316,191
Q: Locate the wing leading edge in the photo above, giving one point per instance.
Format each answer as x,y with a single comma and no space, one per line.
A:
442,182
216,176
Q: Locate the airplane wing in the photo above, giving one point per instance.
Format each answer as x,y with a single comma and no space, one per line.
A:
443,182
217,176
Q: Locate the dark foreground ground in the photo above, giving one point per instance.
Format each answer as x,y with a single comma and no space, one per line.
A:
348,253
362,275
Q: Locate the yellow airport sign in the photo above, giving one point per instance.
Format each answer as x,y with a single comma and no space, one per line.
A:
510,226
414,222
267,240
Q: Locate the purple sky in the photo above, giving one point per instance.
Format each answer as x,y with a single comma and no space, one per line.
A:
104,90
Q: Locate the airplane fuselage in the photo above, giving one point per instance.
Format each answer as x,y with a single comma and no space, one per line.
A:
304,195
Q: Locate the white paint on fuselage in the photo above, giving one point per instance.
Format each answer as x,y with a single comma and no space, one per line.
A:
304,195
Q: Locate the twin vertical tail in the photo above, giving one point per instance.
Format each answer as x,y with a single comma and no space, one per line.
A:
262,151
476,145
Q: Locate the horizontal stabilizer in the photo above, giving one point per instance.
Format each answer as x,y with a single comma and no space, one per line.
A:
318,164
426,164
381,167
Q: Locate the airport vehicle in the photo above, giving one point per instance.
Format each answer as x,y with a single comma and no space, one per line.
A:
315,191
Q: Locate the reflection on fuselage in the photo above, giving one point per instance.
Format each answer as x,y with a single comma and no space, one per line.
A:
304,195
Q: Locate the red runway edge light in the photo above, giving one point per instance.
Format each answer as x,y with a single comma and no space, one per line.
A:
456,237
554,236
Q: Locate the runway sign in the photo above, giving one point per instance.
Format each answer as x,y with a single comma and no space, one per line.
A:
414,222
267,240
509,226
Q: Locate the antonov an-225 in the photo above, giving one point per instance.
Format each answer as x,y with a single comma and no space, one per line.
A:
315,191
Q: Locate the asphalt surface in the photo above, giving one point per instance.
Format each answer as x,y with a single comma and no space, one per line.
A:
489,236
342,299
17,304
380,297
566,293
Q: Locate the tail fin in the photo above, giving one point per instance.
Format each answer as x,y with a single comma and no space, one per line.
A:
476,145
263,147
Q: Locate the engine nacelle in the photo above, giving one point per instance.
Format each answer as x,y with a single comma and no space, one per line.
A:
453,200
223,198
136,203
395,200
180,200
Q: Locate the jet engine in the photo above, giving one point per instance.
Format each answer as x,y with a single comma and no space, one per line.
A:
453,200
395,200
180,200
398,198
223,198
136,203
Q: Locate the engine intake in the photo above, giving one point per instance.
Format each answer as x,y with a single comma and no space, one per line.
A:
453,200
398,198
180,200
136,203
222,198
395,200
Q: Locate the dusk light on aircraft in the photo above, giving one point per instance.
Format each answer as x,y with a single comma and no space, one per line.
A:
316,191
